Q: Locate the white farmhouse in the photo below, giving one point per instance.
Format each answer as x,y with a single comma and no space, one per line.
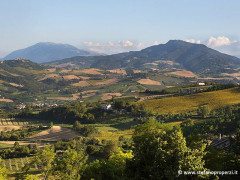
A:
201,84
106,106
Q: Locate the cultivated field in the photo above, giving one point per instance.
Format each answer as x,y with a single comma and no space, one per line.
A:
16,85
81,84
61,98
183,74
92,71
109,81
149,82
118,71
107,96
50,76
6,100
56,133
70,77
214,100
9,128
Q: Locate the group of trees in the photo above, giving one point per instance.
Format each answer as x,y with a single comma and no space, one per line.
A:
85,130
226,124
19,151
157,154
19,134
190,89
69,113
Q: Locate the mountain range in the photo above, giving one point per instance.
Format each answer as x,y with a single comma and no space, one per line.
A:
197,58
47,51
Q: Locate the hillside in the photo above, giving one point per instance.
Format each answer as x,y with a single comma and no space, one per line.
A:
23,81
197,58
46,51
180,104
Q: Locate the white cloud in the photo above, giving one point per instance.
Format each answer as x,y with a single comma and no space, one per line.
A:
127,43
155,43
112,47
193,41
225,45
198,42
219,41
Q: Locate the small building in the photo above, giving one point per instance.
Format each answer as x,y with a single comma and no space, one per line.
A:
201,84
106,106
21,106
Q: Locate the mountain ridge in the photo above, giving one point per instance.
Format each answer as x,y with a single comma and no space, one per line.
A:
194,57
48,51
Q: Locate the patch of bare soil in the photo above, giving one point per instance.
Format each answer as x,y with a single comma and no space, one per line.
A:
9,128
109,81
50,76
149,82
84,77
81,84
107,96
118,71
93,71
52,70
61,98
6,100
16,85
183,74
56,133
70,77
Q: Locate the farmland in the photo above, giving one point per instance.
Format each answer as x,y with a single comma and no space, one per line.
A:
56,133
44,84
180,104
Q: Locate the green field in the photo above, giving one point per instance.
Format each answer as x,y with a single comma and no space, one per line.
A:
5,146
180,104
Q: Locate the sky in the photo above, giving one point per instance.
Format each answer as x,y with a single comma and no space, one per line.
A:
112,26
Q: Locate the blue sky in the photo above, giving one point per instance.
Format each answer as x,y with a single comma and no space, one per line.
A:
119,25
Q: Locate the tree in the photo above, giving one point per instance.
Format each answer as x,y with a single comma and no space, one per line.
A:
71,164
3,172
228,110
235,144
158,155
109,148
113,168
77,126
51,124
30,177
204,111
44,159
187,122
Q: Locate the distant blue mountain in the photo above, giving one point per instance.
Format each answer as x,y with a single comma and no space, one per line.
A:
47,51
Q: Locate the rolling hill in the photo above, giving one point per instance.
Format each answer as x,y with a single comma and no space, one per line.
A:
46,51
197,58
24,81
